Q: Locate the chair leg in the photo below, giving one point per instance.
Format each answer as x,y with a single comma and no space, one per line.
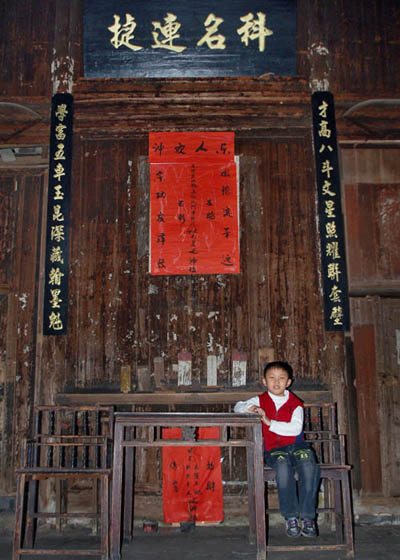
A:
61,502
31,508
348,527
339,519
96,506
329,499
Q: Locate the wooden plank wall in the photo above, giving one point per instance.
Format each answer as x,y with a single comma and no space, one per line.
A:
372,200
371,186
351,48
357,40
379,398
368,403
373,213
388,366
21,211
120,316
131,319
27,36
354,43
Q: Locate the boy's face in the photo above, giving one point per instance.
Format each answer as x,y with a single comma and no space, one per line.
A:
276,381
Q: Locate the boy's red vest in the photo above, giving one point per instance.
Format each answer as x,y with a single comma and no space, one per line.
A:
284,414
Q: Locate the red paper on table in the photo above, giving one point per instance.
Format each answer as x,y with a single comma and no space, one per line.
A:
194,208
192,480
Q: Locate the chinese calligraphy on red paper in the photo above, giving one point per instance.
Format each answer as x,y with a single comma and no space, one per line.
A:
194,215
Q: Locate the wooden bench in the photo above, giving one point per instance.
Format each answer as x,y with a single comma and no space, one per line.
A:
320,428
69,443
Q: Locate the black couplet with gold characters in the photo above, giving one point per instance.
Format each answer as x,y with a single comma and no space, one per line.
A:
57,232
333,259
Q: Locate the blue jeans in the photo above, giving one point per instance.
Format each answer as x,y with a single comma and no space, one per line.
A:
295,500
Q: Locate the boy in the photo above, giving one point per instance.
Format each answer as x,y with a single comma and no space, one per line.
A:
282,416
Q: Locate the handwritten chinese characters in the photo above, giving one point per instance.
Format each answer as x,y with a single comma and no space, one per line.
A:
192,480
166,33
166,38
193,204
334,274
56,272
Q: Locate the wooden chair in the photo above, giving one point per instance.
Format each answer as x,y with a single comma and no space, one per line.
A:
69,444
320,428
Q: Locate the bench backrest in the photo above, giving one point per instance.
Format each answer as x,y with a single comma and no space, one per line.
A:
321,429
73,421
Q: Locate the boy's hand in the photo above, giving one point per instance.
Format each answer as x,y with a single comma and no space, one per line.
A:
261,412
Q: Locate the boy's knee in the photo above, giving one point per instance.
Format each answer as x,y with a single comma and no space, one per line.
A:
304,455
284,474
307,468
277,458
280,457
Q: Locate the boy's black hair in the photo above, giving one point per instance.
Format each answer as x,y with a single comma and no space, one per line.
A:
280,365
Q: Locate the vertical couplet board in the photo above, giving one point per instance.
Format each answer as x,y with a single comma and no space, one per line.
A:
333,258
57,234
194,207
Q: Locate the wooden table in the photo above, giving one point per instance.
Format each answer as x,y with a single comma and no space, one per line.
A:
127,437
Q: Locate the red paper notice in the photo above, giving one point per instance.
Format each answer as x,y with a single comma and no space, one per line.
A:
192,480
194,214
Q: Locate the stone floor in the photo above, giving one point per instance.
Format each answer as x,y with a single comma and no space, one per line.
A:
217,543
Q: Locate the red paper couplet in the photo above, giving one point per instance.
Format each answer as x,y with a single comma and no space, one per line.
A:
192,480
194,210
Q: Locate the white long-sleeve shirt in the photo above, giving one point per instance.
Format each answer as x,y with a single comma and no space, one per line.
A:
292,428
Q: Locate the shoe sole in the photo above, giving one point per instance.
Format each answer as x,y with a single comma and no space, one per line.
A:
293,536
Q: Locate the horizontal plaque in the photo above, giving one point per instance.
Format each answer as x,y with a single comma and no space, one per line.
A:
166,38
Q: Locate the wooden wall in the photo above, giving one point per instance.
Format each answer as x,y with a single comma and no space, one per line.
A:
21,203
372,199
354,45
376,324
120,316
371,181
130,318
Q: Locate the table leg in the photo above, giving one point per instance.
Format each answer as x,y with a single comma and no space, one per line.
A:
250,491
116,495
128,493
259,491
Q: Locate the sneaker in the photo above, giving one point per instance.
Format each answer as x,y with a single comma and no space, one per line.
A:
292,527
308,528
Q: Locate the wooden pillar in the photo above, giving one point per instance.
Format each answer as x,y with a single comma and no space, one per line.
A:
66,50
66,40
335,360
